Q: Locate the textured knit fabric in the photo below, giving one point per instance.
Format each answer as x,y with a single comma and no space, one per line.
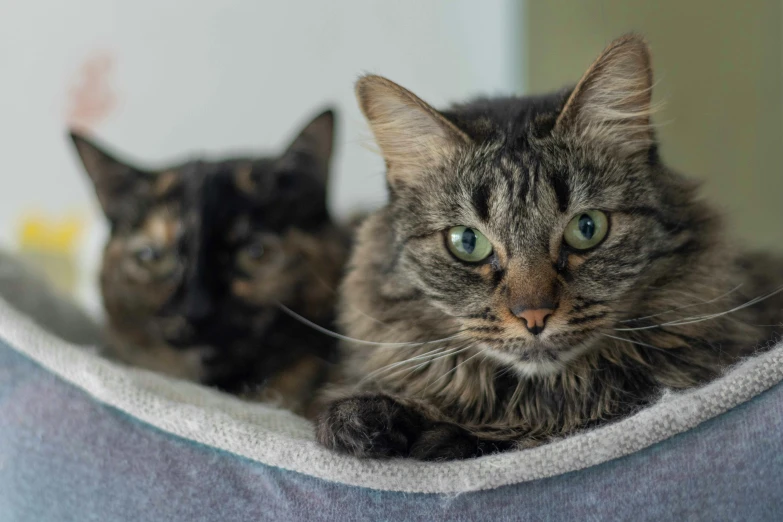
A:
84,439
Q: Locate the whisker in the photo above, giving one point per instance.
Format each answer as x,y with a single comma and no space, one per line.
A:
631,341
317,276
394,369
336,335
427,355
425,363
639,343
684,307
368,316
334,290
482,350
696,319
700,318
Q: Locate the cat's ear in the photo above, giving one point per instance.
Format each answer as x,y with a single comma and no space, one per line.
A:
315,143
113,179
411,135
612,101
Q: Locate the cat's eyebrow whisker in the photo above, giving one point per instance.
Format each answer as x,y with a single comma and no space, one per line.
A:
684,307
336,335
700,318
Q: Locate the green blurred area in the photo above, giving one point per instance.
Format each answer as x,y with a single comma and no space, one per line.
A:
719,71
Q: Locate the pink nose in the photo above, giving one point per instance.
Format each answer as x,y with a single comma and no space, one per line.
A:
535,320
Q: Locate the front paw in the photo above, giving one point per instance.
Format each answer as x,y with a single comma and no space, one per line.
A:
451,442
373,426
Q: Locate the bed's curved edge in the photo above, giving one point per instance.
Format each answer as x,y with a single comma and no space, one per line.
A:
278,438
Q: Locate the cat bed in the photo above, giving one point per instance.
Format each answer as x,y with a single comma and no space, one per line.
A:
82,438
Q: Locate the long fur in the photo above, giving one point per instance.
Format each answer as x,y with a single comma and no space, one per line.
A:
663,302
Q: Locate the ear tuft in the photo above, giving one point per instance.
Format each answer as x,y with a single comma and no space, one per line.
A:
411,135
612,101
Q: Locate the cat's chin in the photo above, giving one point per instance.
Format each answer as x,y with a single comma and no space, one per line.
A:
539,360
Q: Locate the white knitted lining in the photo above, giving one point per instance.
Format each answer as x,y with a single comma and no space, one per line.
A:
278,438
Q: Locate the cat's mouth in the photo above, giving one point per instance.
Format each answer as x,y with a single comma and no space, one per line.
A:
539,355
177,332
559,338
181,334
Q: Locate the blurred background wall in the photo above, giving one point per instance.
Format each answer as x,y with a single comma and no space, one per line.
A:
719,71
165,79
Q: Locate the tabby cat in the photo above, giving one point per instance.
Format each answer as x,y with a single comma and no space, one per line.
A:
200,255
538,270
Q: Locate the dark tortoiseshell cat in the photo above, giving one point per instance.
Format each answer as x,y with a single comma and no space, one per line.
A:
537,270
201,253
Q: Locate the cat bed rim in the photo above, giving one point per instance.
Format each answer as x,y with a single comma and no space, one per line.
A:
279,438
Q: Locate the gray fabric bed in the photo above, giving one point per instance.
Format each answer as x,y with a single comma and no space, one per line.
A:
82,438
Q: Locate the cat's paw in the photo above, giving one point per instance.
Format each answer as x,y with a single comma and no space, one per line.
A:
373,426
452,442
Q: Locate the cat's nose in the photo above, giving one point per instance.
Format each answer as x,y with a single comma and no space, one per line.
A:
534,318
532,294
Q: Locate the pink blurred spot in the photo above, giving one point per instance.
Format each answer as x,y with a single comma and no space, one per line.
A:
91,98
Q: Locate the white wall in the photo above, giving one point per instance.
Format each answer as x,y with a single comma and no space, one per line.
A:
215,76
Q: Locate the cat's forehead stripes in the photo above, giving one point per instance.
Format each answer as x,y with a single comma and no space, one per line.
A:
161,227
481,199
512,199
562,190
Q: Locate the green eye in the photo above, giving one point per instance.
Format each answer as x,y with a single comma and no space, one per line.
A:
586,230
468,244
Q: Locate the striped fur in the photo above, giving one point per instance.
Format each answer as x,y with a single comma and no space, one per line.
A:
642,311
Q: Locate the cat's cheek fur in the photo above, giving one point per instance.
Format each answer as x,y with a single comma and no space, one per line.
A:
122,289
458,288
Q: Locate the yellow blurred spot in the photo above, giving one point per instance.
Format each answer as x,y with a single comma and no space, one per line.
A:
45,234
50,245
